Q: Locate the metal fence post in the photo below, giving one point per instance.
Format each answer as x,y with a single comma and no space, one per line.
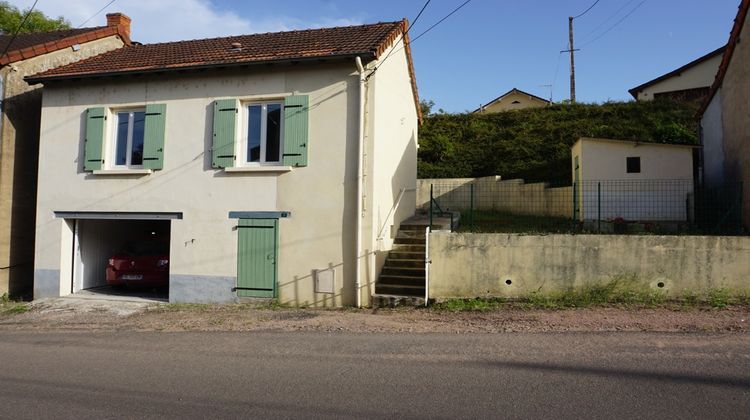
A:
471,207
575,202
431,185
599,207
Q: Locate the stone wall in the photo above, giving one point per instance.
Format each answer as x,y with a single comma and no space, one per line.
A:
493,193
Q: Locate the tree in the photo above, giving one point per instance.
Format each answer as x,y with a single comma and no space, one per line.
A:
11,17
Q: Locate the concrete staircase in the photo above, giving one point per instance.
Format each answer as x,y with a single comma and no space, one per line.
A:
402,280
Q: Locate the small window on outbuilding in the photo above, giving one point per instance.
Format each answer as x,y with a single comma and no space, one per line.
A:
633,165
515,102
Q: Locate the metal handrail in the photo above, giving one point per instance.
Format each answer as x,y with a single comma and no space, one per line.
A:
427,263
393,208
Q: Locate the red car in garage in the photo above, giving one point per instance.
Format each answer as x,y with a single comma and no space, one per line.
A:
140,264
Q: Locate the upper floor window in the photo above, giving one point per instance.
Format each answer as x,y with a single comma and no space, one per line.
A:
263,134
128,140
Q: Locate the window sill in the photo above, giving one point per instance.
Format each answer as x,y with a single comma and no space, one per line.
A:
239,169
123,172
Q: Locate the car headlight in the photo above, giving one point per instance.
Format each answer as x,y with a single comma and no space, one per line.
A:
162,263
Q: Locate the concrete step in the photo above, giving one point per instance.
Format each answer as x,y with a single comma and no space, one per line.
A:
392,301
406,255
399,263
409,247
411,234
408,240
390,270
401,290
401,276
420,227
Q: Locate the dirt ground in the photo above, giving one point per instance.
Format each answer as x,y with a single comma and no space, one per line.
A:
75,314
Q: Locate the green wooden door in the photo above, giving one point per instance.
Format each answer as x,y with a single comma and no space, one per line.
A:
256,257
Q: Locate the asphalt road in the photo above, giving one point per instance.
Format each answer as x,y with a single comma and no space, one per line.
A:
292,375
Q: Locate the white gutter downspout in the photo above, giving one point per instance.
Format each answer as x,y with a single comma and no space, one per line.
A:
360,168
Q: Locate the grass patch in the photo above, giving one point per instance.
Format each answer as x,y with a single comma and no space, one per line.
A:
11,307
209,307
490,221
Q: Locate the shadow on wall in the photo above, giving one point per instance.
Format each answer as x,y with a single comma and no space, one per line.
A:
24,114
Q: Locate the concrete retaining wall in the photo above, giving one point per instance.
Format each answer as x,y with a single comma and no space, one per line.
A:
480,265
492,193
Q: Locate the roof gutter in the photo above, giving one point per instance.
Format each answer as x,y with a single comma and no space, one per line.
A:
32,80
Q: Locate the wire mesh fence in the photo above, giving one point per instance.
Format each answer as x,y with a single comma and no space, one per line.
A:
664,206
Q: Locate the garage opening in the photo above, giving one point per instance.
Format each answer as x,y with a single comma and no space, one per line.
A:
120,257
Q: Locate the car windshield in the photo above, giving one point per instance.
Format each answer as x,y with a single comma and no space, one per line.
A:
146,248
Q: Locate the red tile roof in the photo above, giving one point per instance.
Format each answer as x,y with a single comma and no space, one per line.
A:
734,39
365,41
30,45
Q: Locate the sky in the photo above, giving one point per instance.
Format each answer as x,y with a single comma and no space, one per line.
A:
483,50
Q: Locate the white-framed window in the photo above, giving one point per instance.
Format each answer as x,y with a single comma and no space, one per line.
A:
127,139
261,133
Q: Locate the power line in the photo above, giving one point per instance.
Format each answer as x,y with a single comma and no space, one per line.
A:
15,34
441,20
403,35
604,22
587,10
616,24
97,13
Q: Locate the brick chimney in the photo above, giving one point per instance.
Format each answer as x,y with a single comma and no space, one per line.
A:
121,20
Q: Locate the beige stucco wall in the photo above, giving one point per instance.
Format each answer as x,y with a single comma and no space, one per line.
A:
712,133
657,193
18,159
736,120
321,197
391,160
700,75
506,103
478,265
602,159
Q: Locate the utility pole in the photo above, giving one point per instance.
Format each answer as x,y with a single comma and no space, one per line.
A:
571,50
572,61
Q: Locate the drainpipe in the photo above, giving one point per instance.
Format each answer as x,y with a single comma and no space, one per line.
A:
360,152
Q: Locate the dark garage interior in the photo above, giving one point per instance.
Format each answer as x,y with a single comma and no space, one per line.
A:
139,250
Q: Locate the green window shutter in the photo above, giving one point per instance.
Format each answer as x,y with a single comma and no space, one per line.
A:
225,123
295,130
94,141
153,139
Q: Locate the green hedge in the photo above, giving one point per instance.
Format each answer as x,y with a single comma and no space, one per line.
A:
534,144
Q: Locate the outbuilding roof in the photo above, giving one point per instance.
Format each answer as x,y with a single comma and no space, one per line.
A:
28,45
514,90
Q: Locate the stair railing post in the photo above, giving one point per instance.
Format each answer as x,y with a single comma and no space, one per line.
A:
426,266
431,198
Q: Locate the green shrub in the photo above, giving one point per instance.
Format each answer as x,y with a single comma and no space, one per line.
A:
534,144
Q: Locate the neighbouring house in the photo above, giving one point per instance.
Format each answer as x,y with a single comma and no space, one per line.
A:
26,55
272,165
688,83
511,100
725,117
635,181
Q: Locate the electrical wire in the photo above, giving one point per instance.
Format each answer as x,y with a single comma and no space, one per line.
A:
403,35
440,21
587,10
615,25
605,21
97,13
15,34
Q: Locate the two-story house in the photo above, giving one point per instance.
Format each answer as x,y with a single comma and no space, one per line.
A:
273,165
